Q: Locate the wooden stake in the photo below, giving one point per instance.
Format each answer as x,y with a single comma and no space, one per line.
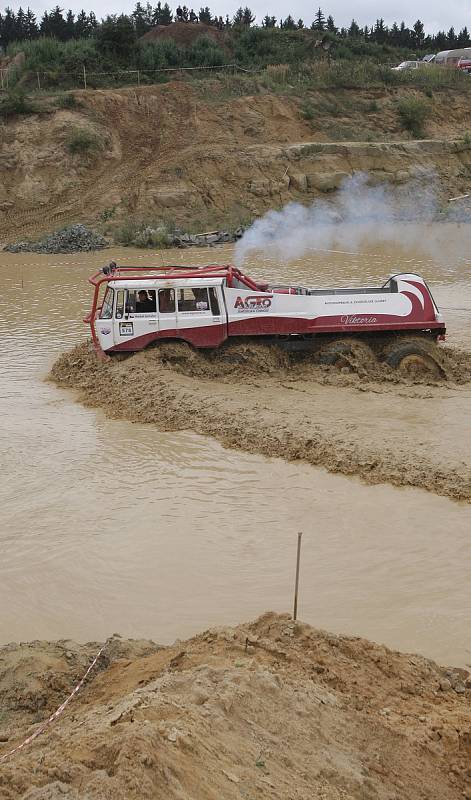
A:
296,582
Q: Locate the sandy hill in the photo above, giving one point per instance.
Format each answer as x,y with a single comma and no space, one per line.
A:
272,709
200,154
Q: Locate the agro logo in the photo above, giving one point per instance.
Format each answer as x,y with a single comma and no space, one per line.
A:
254,302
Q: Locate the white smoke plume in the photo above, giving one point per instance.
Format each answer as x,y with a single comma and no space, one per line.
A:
358,215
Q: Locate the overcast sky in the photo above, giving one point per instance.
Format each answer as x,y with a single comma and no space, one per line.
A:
435,15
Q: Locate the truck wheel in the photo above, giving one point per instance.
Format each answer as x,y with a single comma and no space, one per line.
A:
414,358
346,353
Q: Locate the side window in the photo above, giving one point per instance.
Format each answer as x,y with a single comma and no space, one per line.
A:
193,300
130,301
167,301
214,302
119,304
107,307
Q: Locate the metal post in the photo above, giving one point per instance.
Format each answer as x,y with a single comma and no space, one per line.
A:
138,78
84,77
296,582
39,82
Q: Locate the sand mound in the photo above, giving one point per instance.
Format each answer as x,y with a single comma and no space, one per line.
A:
373,424
202,719
184,33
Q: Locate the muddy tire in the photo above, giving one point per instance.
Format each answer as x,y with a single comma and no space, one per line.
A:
346,353
414,358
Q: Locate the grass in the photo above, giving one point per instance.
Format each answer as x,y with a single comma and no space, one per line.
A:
413,112
15,103
141,233
81,141
67,100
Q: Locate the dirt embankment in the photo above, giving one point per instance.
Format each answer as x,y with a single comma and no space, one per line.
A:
194,155
364,420
271,709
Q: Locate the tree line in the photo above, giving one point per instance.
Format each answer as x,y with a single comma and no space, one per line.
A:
65,25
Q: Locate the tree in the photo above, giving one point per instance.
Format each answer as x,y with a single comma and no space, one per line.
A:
380,32
268,22
418,35
300,24
462,39
249,16
330,25
289,23
205,16
243,16
69,28
319,21
31,26
116,37
354,30
451,38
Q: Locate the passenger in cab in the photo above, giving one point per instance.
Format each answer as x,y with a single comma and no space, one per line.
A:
144,303
201,299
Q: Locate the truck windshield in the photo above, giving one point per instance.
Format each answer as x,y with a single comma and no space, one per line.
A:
107,307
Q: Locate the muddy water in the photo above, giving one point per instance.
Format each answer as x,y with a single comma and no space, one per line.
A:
110,526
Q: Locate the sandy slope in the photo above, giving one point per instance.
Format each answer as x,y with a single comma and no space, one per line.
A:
271,709
198,154
368,422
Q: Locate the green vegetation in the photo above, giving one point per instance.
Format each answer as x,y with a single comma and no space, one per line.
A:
67,100
413,113
14,103
83,142
139,233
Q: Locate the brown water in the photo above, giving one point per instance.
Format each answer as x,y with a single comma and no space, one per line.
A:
111,526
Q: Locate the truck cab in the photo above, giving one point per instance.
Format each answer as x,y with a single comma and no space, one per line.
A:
136,312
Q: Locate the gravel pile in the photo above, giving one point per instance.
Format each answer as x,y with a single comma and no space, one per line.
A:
73,239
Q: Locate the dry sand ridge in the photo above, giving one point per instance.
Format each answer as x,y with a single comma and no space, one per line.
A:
202,719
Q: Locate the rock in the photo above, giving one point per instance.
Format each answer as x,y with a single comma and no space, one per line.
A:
74,239
326,181
298,181
445,685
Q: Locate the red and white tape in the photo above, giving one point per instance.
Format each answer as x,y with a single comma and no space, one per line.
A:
56,713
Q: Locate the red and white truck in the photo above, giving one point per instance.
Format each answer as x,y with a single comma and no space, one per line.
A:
206,306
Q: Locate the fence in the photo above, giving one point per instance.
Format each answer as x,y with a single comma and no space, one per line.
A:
13,75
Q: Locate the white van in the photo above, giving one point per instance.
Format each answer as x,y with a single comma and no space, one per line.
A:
450,58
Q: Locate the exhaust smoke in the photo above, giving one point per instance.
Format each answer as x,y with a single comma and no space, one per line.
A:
360,215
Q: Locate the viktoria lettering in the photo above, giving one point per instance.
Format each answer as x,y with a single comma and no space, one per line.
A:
352,320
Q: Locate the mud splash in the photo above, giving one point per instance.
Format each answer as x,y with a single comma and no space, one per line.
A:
262,400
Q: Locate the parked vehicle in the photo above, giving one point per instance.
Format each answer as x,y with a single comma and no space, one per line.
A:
406,65
450,58
464,64
207,306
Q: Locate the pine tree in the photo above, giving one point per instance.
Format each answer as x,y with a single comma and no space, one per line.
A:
205,15
419,34
300,24
31,26
330,25
289,23
319,21
354,30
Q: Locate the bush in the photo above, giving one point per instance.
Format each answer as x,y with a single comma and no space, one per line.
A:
205,52
67,100
412,113
136,233
82,141
14,103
